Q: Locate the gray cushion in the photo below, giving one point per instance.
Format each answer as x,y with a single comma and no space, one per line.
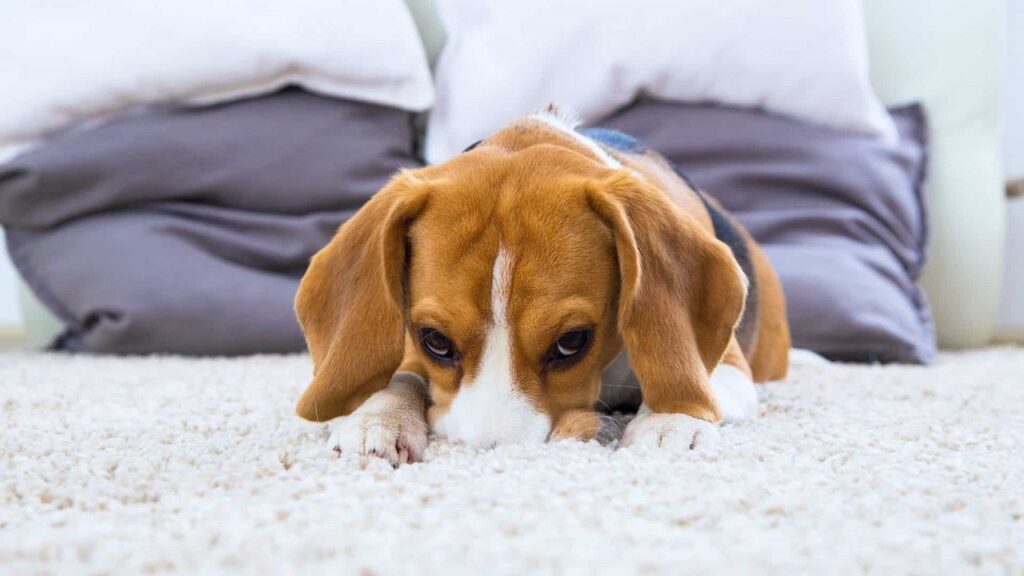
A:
840,216
187,230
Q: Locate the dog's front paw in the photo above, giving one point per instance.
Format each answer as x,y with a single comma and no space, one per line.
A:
673,431
387,425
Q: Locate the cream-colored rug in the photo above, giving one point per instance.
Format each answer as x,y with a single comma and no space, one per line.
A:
165,464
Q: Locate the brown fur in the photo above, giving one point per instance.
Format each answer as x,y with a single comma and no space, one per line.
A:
629,252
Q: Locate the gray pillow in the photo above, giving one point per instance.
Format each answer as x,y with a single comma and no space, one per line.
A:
840,215
187,230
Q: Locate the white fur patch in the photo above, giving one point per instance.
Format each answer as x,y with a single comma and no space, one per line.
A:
803,357
670,431
490,409
735,393
501,283
567,125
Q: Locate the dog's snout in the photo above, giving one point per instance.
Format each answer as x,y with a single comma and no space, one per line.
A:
489,425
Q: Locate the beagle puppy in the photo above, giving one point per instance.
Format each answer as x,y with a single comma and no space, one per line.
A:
496,298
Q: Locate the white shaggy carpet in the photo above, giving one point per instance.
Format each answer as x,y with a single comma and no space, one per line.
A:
198,466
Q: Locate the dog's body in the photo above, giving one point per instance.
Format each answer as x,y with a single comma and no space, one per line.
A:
491,292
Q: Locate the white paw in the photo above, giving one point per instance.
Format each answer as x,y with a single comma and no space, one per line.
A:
386,426
802,357
672,431
734,392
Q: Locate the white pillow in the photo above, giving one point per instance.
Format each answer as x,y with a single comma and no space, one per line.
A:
68,62
803,58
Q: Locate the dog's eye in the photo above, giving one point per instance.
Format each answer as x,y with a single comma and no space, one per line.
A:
571,343
437,344
569,346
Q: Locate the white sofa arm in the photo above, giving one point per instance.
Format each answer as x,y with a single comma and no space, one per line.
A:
949,55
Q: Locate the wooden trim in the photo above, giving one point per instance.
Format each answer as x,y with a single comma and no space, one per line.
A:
1015,189
11,330
13,338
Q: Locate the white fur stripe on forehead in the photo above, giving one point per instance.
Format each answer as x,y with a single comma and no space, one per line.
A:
501,280
567,125
491,409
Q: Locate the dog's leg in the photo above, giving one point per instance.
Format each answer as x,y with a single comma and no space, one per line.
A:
391,424
733,390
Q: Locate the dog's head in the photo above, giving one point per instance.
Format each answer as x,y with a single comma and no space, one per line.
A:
510,277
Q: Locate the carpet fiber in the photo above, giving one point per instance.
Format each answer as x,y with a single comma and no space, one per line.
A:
169,464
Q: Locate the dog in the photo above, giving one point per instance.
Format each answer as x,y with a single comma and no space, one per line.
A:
497,297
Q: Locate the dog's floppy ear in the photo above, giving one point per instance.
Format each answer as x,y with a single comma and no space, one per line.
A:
349,303
681,296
